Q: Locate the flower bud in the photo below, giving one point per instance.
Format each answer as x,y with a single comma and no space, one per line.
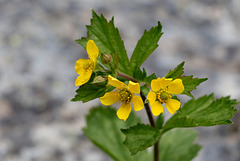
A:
99,80
106,59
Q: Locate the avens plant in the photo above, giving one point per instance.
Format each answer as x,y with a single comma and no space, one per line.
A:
109,75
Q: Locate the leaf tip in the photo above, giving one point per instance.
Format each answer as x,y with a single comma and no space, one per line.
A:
182,63
73,100
123,130
159,25
93,12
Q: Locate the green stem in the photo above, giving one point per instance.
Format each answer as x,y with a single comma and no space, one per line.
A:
149,114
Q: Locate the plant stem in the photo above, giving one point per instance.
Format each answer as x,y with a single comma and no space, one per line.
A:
149,114
146,105
127,77
151,120
156,151
147,108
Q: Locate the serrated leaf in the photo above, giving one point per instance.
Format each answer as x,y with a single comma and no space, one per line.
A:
142,76
103,129
160,121
140,137
178,145
108,40
191,83
139,75
88,92
150,78
176,98
144,89
205,111
145,46
177,72
82,42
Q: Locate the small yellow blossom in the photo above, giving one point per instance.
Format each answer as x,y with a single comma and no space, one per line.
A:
85,67
162,90
123,95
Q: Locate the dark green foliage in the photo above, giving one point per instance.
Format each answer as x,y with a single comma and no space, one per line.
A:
191,84
160,121
145,46
176,73
178,145
205,111
89,92
103,129
108,40
140,137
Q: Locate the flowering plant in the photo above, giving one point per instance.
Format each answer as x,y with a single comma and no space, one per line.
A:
108,74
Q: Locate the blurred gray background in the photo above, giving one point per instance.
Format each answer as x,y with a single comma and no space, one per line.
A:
37,56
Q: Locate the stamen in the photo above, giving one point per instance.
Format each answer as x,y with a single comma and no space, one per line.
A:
163,96
125,95
88,65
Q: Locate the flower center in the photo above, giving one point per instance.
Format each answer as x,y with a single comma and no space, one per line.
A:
88,65
163,96
125,95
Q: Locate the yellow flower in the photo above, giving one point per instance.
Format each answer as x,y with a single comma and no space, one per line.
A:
85,67
162,93
123,95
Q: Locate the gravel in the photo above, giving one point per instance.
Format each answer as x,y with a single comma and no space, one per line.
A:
37,56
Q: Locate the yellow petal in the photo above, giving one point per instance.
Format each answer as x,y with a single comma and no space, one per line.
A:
92,50
124,111
160,83
79,65
83,78
173,105
176,87
165,82
151,97
155,84
115,82
137,103
157,108
134,87
109,98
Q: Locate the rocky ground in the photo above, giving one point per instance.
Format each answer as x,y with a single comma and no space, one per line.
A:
37,56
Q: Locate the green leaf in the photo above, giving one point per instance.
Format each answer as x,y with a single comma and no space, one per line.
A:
139,75
140,137
175,97
177,72
145,46
178,145
108,40
82,42
191,84
160,121
142,76
205,111
150,78
144,89
92,90
89,92
103,129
